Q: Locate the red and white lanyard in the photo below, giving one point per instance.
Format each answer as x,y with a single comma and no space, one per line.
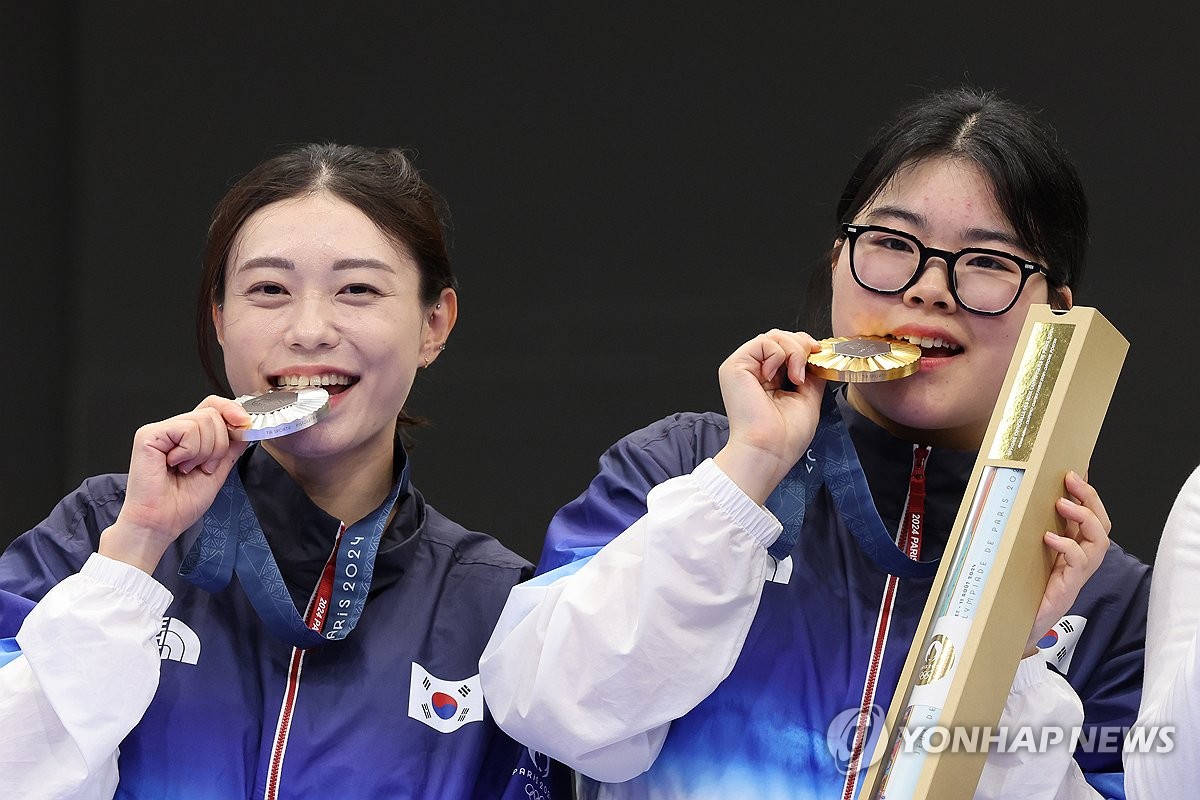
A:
908,539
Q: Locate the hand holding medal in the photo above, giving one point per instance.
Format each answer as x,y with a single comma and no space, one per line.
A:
179,464
781,423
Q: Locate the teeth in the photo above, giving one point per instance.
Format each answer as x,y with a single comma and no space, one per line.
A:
312,380
929,341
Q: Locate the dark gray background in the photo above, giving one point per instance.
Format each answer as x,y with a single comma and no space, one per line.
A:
635,191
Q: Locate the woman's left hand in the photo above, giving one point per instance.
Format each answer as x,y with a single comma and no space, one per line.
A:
1078,553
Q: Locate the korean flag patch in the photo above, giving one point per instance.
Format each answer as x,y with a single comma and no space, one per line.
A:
1058,644
444,706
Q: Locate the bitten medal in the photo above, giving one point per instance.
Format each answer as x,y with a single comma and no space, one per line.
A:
864,359
283,411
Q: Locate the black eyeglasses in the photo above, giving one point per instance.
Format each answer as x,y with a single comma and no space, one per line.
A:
982,281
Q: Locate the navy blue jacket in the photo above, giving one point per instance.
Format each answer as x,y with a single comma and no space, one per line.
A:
210,730
804,659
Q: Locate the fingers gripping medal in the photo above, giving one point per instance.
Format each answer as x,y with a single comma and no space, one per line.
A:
283,411
864,359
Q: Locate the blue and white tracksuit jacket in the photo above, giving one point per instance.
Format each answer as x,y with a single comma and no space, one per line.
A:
663,653
88,660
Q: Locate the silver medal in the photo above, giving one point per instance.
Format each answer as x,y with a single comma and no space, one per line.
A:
283,411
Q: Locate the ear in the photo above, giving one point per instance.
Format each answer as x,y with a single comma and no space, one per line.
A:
1061,298
439,321
218,321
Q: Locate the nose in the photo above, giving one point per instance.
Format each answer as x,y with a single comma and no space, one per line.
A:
311,325
932,286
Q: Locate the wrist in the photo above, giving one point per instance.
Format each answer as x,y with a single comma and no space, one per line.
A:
755,471
135,546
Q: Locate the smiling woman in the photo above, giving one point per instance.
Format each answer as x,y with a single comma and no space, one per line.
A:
949,201
349,643
315,291
727,608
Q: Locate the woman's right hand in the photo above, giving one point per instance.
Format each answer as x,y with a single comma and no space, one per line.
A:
177,467
769,426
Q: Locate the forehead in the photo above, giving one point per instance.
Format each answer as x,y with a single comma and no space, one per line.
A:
941,192
315,228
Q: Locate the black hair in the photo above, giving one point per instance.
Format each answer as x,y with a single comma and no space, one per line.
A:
1033,179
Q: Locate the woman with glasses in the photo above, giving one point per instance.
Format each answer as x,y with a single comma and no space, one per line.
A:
681,640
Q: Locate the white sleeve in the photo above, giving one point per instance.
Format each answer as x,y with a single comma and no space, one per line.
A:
591,662
1170,710
1042,702
88,669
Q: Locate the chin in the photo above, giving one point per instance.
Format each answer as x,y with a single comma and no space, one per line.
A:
311,442
911,414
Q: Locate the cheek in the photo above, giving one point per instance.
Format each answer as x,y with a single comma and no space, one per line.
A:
1006,329
850,303
244,341
1000,341
837,307
239,370
236,340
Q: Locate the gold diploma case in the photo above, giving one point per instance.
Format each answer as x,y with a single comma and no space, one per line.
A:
994,571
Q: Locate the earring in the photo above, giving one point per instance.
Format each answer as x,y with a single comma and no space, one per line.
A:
426,362
442,346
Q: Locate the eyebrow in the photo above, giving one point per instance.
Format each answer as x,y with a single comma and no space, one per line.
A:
969,234
275,262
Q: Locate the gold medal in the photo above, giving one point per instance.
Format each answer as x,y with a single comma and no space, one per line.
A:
864,359
283,411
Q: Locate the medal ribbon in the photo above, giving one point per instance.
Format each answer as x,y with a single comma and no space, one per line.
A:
831,461
908,537
914,513
321,601
232,541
